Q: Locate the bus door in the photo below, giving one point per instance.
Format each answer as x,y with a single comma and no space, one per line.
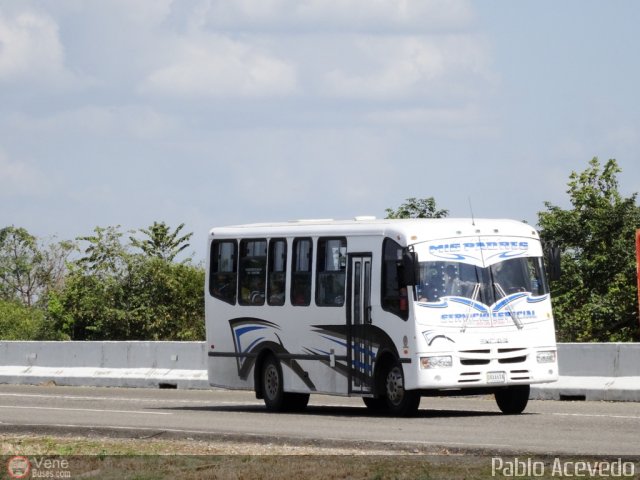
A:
359,349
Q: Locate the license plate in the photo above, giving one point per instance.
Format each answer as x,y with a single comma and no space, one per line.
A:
496,377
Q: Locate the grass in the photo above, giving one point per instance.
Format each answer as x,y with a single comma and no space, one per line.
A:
151,458
196,459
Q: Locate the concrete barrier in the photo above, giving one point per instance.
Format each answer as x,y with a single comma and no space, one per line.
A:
108,364
595,371
588,371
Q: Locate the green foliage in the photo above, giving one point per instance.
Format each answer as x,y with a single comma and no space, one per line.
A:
20,261
108,293
161,242
417,208
20,322
111,293
596,298
28,271
166,299
105,255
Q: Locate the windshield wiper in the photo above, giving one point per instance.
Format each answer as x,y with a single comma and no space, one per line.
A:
512,313
474,295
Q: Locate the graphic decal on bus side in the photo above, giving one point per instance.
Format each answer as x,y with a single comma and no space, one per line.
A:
363,351
367,341
474,313
250,336
432,335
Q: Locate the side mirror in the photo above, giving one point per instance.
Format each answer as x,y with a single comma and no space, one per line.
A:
553,262
408,270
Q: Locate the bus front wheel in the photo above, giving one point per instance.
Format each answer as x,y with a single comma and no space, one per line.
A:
400,402
513,400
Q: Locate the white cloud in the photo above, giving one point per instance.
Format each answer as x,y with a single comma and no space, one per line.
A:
30,50
215,66
623,135
466,121
20,178
418,66
349,15
124,121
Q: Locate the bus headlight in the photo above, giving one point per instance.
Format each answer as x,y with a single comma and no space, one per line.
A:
546,356
442,361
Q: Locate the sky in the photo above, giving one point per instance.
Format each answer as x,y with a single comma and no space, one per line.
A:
213,112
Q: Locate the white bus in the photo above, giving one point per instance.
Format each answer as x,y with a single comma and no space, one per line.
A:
388,310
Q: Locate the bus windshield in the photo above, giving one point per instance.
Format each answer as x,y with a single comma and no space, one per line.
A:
439,279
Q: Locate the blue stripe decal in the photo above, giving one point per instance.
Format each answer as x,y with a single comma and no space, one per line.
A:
507,300
242,330
537,299
361,365
470,303
248,349
441,304
339,342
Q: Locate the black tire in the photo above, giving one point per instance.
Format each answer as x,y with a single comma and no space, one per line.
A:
513,400
378,404
272,385
295,402
275,398
399,402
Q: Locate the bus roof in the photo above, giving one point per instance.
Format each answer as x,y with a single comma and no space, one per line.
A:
411,230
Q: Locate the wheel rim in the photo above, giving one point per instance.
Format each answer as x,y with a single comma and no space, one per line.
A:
395,386
271,381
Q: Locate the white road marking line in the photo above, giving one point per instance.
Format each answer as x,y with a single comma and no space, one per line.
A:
212,402
92,410
597,415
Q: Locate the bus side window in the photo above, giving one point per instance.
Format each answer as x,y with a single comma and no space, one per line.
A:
394,296
301,272
331,269
223,270
277,271
253,263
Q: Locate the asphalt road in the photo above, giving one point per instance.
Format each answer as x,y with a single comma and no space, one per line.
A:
456,424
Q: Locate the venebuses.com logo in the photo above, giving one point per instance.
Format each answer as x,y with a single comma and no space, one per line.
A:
18,467
38,467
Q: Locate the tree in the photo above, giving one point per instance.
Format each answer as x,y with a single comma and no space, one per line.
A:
19,322
28,270
112,293
596,297
20,261
161,242
105,255
417,208
166,300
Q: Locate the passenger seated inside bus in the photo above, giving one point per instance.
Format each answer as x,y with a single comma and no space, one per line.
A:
276,294
252,293
301,292
442,279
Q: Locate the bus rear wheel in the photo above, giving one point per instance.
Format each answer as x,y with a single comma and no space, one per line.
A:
513,400
272,387
399,402
275,398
